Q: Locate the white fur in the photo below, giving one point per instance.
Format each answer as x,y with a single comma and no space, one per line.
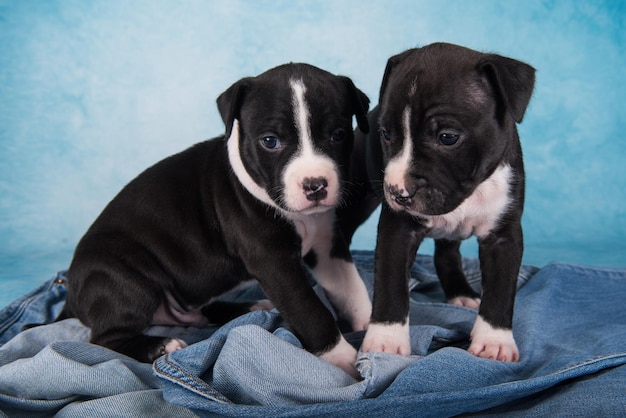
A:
388,338
301,115
262,305
234,157
170,312
343,355
400,164
467,302
492,343
308,226
307,163
479,213
339,278
345,289
174,344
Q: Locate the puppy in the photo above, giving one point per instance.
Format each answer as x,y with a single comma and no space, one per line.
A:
446,156
249,204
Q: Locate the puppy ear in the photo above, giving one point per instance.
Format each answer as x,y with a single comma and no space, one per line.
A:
513,81
229,103
360,104
391,63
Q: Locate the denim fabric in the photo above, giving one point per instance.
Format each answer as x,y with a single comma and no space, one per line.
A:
51,369
569,324
40,306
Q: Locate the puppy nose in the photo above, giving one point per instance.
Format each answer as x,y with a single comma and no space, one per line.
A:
403,200
402,197
315,188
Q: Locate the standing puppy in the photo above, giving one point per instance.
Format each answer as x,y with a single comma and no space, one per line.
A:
449,161
250,204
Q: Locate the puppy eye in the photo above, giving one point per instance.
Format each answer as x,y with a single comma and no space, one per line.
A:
448,138
270,142
338,135
385,134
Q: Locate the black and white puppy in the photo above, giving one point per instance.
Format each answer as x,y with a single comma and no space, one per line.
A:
446,153
249,204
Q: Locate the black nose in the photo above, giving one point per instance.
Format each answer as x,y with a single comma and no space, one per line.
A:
403,200
315,188
401,196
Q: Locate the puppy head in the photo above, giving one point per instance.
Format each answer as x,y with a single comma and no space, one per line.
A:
447,121
289,135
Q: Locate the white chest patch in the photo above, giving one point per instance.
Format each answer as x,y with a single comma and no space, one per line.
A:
313,228
479,213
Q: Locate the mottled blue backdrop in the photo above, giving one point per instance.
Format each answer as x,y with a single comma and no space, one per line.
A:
92,92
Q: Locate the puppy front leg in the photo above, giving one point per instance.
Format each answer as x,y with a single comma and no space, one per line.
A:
500,260
335,271
399,236
287,286
345,289
449,266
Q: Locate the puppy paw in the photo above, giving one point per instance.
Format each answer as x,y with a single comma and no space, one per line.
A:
465,301
262,305
173,344
388,338
163,346
343,355
492,343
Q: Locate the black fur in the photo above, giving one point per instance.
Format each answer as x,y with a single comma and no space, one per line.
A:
186,226
479,97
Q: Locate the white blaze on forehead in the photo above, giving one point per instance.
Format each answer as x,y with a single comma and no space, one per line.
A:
307,162
302,116
400,164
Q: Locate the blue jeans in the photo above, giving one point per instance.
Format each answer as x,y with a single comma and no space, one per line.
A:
569,324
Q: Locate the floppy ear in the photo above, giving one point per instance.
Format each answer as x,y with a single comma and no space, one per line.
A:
229,103
513,82
360,104
391,63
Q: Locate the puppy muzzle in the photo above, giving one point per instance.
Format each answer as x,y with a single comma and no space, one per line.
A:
315,188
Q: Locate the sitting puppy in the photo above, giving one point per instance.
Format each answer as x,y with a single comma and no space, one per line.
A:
447,157
246,205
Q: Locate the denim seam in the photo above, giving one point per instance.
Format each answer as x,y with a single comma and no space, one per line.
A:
214,395
25,303
595,360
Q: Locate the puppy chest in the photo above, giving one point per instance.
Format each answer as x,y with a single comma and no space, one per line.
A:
479,214
315,230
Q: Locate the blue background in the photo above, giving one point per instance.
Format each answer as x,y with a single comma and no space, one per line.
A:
93,92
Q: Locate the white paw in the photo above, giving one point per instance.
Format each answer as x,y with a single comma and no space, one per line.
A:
473,303
343,355
173,345
262,305
388,338
492,343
